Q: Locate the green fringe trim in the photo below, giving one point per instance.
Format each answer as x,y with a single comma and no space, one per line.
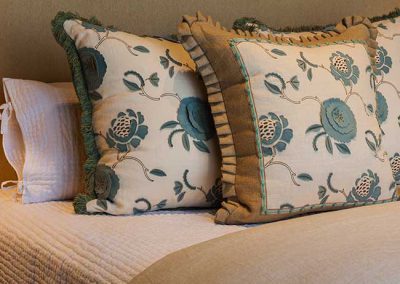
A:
243,24
388,16
80,87
80,202
249,24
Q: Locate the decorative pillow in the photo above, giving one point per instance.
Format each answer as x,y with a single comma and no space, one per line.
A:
148,129
40,127
387,77
292,141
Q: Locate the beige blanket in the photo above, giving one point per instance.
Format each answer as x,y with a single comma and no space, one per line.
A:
360,245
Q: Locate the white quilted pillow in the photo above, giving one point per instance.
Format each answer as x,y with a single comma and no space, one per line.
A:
41,139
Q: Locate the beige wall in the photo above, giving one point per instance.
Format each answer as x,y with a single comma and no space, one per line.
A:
27,49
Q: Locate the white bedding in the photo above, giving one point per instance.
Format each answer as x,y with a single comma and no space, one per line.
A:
48,243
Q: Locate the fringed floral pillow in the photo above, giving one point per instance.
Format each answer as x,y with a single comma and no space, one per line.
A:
295,118
148,129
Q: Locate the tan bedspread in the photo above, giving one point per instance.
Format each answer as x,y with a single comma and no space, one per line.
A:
360,245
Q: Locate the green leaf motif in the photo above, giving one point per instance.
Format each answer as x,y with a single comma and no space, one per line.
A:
370,108
131,86
185,141
278,52
272,88
370,144
201,146
328,145
164,62
141,48
301,64
171,71
180,196
162,204
158,172
154,79
309,74
321,191
178,187
343,148
314,128
294,82
304,177
169,124
323,200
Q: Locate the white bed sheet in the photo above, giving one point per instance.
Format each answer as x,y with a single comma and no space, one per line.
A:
48,243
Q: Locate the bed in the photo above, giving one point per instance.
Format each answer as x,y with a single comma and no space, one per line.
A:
48,243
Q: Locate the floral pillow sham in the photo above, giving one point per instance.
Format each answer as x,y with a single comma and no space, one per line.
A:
386,79
292,141
148,129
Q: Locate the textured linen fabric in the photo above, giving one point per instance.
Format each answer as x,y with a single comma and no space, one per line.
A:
358,245
42,141
48,243
155,143
248,133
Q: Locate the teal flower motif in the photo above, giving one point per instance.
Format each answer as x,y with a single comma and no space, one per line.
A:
274,133
126,130
106,183
195,120
366,188
395,164
343,68
338,120
381,108
94,67
382,60
195,117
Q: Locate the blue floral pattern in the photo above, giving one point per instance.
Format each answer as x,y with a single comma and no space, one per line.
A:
383,60
274,133
94,67
195,119
127,130
338,120
343,68
106,183
366,188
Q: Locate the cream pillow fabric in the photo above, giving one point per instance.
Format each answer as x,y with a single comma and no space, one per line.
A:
41,139
147,125
387,77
